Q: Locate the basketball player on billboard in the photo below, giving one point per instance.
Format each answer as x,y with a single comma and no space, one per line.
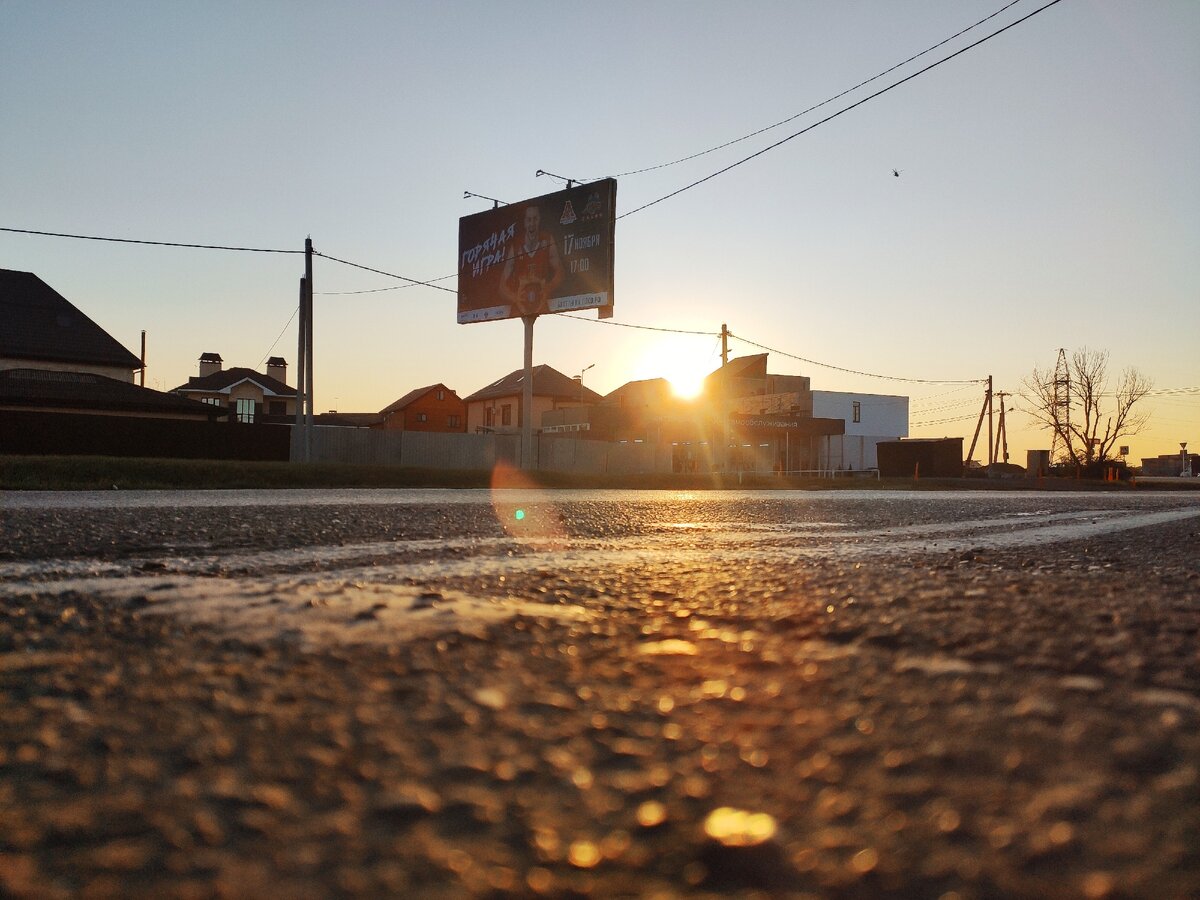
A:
532,270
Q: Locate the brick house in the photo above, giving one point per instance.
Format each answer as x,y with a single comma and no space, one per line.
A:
434,407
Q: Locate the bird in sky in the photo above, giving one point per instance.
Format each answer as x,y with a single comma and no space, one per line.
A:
896,172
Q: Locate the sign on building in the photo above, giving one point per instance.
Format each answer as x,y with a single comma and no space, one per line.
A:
549,254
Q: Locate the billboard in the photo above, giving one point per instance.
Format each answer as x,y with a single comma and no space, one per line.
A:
550,254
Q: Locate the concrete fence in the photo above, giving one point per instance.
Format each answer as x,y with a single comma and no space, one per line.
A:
551,453
429,450
411,449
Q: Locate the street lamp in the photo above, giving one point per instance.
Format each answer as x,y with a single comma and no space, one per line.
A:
585,368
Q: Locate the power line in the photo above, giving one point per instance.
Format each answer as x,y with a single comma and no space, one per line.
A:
641,327
394,287
832,116
734,165
932,409
813,362
805,112
89,237
276,341
926,424
1171,391
412,281
941,394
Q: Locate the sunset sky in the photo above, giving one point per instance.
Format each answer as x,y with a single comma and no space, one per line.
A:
1048,193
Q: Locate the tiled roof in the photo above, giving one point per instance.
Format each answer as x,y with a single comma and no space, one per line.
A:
657,389
221,382
742,367
411,397
547,382
97,393
41,324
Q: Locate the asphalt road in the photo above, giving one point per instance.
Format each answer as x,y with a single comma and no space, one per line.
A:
466,693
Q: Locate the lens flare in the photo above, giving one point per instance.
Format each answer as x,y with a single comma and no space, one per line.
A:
521,512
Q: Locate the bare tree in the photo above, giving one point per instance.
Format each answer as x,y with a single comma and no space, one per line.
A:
1074,404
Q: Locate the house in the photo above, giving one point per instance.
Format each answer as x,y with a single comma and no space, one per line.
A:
66,385
497,407
768,422
43,330
747,419
634,411
870,420
86,393
249,396
434,407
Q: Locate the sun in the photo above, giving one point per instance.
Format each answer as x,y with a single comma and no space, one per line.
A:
688,384
682,362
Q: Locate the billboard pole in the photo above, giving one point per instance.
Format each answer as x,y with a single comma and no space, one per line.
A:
527,398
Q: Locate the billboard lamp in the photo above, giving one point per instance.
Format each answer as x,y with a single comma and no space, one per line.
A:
496,204
570,181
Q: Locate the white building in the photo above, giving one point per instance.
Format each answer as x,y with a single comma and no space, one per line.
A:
869,418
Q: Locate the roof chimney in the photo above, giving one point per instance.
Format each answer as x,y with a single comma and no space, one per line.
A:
210,363
277,369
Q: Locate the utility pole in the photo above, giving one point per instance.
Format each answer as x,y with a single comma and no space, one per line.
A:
143,381
304,359
308,347
991,431
299,442
723,386
1002,434
987,402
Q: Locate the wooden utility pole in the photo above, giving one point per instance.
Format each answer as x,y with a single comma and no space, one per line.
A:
304,361
299,442
1002,433
143,381
991,427
987,405
723,400
308,348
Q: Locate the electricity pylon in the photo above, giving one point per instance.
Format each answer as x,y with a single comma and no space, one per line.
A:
1061,407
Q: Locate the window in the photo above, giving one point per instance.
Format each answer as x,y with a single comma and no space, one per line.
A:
245,409
857,411
506,414
489,417
441,395
422,417
452,421
211,401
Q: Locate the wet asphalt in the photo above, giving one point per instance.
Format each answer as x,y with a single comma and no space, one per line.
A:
600,694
